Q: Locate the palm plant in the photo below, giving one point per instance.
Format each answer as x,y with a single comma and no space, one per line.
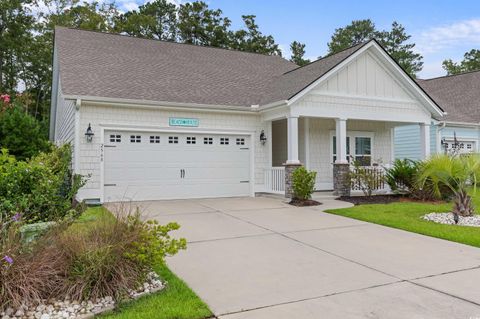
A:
457,174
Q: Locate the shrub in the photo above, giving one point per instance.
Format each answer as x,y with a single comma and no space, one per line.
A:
303,183
42,189
108,257
20,133
454,174
28,273
115,255
401,176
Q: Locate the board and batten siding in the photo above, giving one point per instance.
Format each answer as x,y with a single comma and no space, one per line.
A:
150,118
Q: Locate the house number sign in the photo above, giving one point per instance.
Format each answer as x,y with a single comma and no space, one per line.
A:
179,121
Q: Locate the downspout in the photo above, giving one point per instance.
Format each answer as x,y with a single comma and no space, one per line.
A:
439,141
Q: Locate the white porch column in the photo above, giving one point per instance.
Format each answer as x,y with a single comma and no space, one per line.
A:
292,140
425,140
341,140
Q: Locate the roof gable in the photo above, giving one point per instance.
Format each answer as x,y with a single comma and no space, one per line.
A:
366,63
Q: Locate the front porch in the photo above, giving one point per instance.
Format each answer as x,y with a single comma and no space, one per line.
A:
312,142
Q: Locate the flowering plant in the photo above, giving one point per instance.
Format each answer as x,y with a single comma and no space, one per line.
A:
8,230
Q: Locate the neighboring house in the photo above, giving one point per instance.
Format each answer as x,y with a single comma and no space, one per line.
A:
181,121
459,96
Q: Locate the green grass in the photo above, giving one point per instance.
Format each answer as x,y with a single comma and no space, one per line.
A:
176,301
407,216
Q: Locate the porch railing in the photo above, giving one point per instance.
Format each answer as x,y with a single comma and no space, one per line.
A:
376,176
275,180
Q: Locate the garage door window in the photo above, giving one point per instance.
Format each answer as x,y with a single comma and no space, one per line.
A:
224,141
115,138
191,140
154,139
173,140
135,139
240,141
208,140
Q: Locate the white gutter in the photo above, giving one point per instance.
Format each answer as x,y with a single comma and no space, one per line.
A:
149,103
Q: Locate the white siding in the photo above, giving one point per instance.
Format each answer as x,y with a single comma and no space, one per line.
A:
98,116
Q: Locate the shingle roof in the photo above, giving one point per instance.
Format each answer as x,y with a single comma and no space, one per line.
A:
459,95
116,66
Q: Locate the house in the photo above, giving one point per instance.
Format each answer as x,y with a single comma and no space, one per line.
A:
160,120
459,96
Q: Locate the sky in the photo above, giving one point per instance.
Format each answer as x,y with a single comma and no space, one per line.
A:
441,29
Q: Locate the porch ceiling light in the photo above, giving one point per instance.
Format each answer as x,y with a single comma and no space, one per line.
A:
89,133
263,137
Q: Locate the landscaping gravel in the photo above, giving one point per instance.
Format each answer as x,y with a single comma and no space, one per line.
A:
447,218
57,309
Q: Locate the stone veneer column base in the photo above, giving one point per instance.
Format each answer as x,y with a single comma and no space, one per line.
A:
341,180
289,168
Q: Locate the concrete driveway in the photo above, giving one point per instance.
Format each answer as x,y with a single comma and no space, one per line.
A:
261,258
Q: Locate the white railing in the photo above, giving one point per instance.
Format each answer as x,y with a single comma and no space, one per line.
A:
376,178
275,180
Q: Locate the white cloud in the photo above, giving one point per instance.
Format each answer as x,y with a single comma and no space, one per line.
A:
129,6
447,36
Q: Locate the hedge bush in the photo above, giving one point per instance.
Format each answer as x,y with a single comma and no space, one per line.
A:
41,189
303,183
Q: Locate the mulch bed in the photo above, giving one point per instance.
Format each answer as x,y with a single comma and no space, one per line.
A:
383,199
304,203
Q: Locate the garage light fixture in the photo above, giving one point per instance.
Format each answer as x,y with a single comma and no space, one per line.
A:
263,137
89,133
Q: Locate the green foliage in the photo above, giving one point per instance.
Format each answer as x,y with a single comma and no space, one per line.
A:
303,183
470,62
114,255
452,173
402,175
153,20
21,134
394,42
41,189
298,52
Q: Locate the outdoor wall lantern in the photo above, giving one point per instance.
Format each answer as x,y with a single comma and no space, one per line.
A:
89,133
263,137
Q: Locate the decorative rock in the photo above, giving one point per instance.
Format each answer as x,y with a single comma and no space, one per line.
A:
45,316
447,218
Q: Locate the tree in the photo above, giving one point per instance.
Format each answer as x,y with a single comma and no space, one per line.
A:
470,62
153,20
298,52
394,41
358,31
252,39
197,24
16,24
20,133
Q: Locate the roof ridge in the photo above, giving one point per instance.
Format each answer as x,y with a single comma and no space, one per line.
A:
451,75
171,42
329,55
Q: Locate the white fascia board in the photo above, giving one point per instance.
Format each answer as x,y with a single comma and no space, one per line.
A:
462,124
95,100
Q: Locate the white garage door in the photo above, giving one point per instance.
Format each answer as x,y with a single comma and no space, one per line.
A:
150,166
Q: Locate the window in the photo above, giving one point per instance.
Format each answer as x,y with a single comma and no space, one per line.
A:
135,139
208,140
335,148
363,150
154,139
224,141
173,140
115,138
240,141
191,140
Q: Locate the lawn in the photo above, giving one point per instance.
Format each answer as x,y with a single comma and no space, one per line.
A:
176,301
407,216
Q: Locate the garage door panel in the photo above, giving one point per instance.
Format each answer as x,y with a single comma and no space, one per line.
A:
148,171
